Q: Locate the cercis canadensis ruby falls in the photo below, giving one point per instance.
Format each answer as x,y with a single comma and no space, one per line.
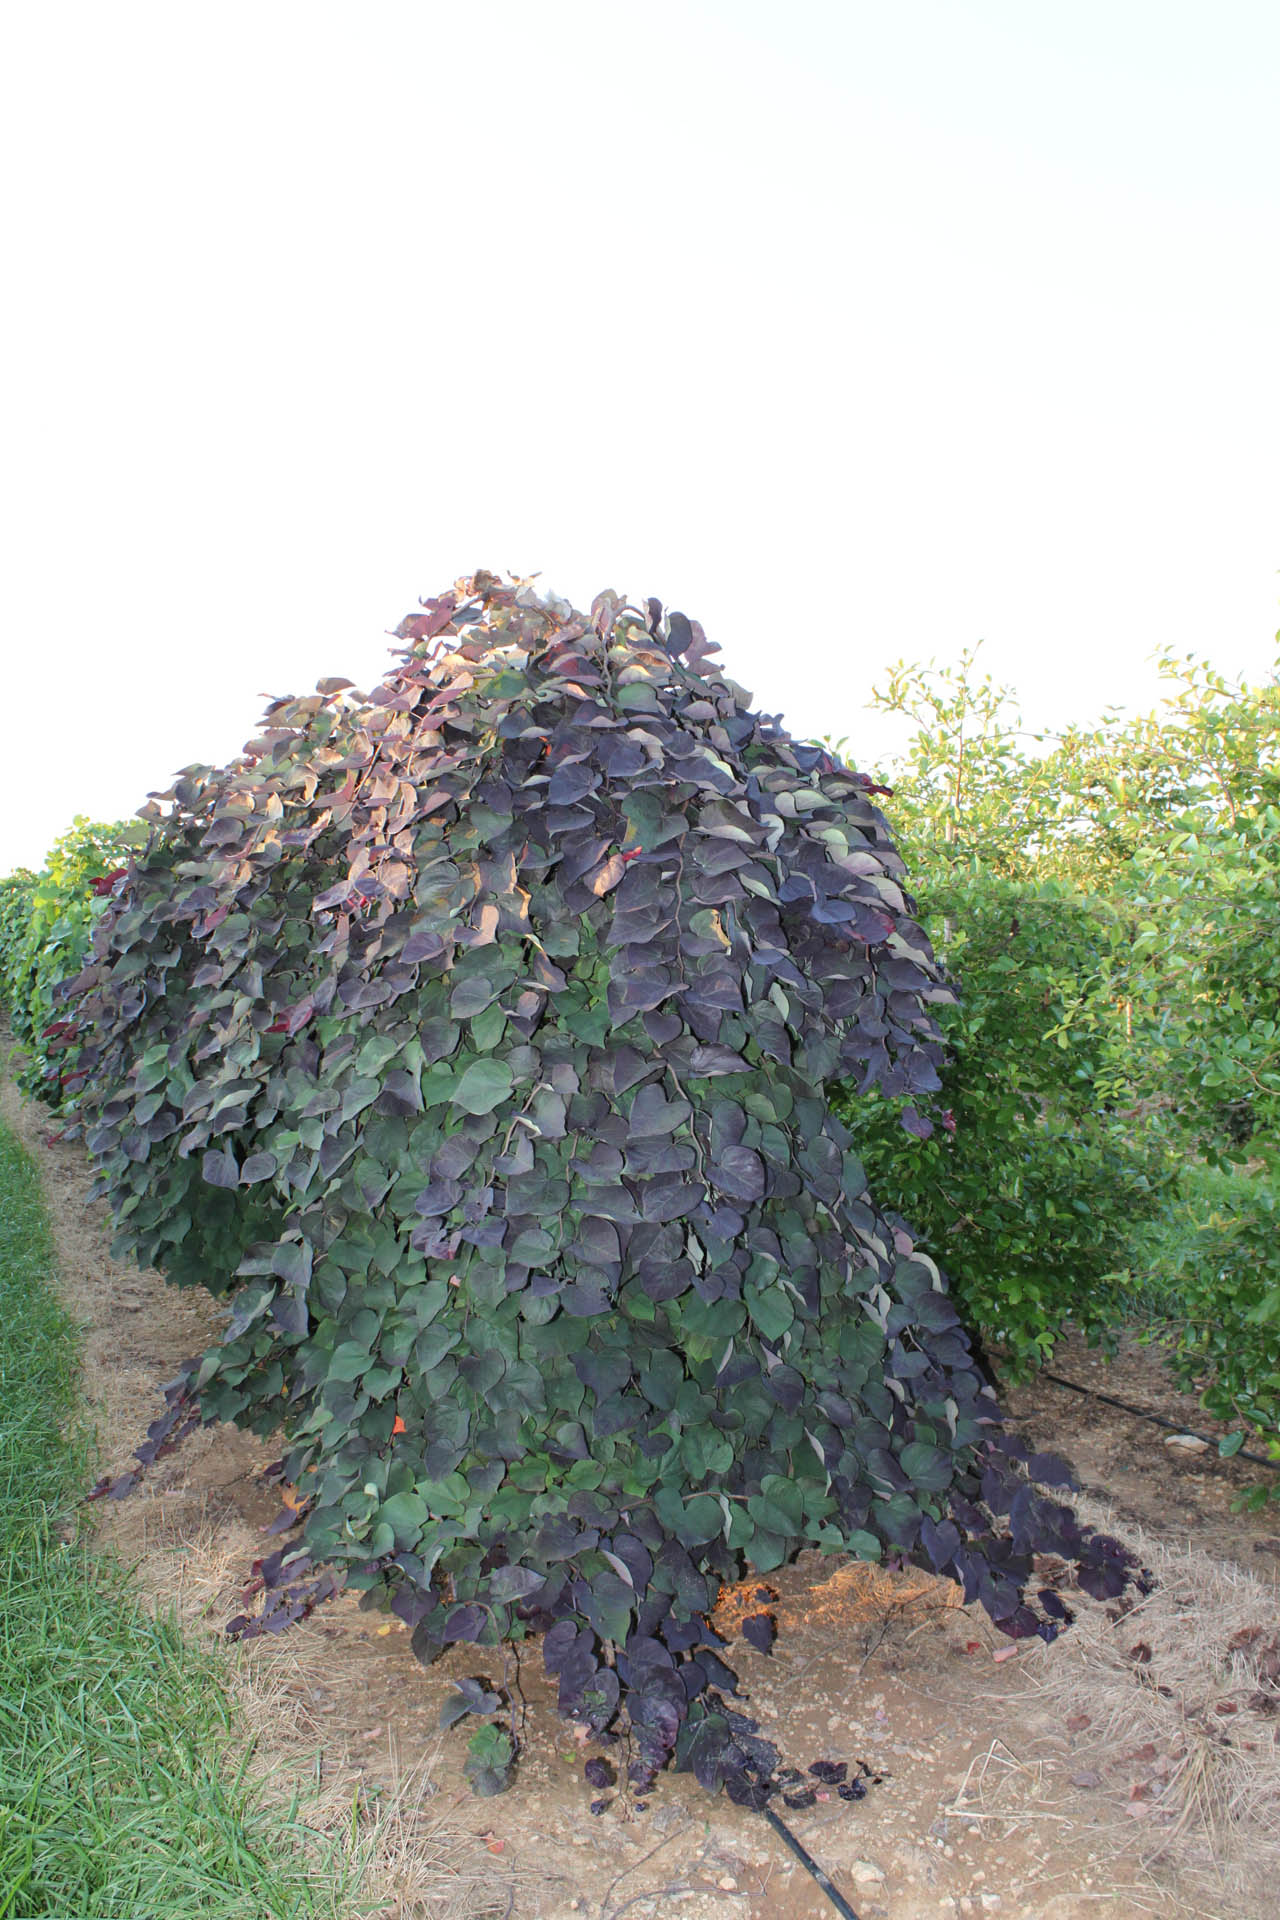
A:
472,1037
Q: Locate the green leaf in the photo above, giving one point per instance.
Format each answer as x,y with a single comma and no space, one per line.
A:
358,1095
865,1545
768,1550
438,1085
701,1520
531,1248
291,1261
590,1024
488,1028
472,996
639,697
405,1514
374,1055
432,1344
771,1308
929,1467
490,1760
779,1505
483,1086
348,1361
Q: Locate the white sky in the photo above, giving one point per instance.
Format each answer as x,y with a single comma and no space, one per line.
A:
858,330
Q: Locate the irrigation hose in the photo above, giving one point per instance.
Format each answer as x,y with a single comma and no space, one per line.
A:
810,1865
1174,1426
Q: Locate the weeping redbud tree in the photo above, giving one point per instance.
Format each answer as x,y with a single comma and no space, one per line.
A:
471,1037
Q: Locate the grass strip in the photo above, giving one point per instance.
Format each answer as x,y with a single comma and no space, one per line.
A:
123,1785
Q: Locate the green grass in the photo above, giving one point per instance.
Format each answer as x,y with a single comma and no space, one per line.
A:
123,1789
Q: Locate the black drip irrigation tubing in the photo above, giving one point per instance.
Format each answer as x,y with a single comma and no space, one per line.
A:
808,1862
1174,1426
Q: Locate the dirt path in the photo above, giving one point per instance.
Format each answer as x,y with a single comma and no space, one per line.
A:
1134,1467
979,1810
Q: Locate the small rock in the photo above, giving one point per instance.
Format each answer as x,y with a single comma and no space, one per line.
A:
727,1883
1087,1777
991,1902
866,1873
1186,1443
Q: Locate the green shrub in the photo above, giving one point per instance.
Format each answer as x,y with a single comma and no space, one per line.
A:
1210,903
1210,1282
1030,1190
15,921
46,921
474,1035
1142,1038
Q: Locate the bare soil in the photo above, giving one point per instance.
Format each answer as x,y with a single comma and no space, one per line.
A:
980,1807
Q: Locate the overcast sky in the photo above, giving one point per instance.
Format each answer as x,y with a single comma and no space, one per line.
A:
858,331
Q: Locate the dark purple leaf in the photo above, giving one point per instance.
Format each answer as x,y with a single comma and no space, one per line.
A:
512,1583
739,1172
760,1630
466,1623
1049,1471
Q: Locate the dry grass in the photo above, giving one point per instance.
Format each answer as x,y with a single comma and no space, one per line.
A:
1173,1711
414,1861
